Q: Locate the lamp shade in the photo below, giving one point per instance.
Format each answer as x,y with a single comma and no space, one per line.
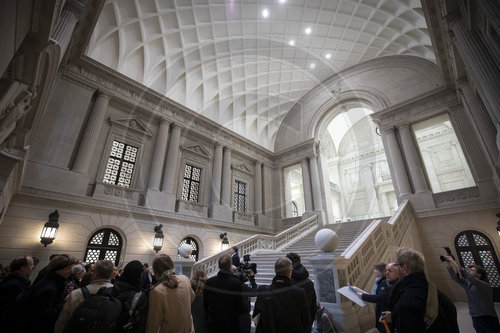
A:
158,240
49,231
225,242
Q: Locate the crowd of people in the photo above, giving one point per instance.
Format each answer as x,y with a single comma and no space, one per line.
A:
71,296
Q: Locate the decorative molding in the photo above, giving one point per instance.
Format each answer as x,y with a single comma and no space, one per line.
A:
243,168
17,103
132,123
461,195
243,218
197,149
18,154
94,75
116,191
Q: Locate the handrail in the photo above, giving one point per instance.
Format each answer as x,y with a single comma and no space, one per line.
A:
371,245
261,242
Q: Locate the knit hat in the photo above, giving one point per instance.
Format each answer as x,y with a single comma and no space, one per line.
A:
132,273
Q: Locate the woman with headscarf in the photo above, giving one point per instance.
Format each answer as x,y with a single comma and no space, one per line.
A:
127,288
169,300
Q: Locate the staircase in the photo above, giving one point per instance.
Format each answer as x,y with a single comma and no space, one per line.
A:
306,248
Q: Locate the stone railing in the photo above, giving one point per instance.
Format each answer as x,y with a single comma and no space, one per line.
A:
261,242
356,262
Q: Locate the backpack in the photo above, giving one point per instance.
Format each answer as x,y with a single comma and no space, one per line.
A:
98,313
132,313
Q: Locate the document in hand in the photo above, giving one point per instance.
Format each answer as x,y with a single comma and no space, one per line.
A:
350,292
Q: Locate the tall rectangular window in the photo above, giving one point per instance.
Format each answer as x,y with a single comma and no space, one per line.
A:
121,164
443,158
191,183
240,195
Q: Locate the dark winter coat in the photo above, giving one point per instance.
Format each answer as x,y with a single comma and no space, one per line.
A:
43,303
10,288
382,301
125,292
200,318
282,308
300,278
408,304
223,302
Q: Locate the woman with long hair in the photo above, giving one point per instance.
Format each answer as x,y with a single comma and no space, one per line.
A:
169,300
200,317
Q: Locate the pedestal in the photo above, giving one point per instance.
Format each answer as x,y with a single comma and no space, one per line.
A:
184,266
326,284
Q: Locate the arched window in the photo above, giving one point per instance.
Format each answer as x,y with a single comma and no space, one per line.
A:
295,209
194,246
474,248
104,244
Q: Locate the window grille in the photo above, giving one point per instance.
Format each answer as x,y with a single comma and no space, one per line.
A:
240,196
191,183
104,244
295,209
121,164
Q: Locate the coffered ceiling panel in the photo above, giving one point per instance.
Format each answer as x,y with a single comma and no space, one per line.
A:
244,63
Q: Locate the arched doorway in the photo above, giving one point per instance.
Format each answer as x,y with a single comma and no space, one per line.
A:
475,248
194,246
104,244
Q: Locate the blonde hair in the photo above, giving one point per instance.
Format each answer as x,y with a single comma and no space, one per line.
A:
198,282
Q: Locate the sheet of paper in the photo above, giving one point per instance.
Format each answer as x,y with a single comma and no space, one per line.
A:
349,292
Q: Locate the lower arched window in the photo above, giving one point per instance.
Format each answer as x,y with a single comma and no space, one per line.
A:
194,246
475,248
104,244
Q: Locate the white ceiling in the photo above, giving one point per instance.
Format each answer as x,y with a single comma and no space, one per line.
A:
223,59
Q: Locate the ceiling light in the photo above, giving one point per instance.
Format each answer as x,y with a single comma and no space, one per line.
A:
265,13
328,55
312,66
282,1
308,30
291,42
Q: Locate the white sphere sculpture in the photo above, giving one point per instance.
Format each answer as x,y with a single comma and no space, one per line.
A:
185,250
326,240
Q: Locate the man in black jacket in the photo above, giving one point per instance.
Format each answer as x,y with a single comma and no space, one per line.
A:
15,283
417,306
223,299
281,307
300,278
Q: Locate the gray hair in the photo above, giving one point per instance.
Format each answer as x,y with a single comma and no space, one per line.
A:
78,269
413,259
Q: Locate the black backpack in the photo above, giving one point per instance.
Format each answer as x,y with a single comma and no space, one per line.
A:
98,313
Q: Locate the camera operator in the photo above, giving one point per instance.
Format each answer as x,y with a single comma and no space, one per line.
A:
479,295
246,274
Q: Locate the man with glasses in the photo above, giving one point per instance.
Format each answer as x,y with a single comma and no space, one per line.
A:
416,305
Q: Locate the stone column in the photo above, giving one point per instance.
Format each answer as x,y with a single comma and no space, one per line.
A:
69,18
170,172
226,178
91,135
371,192
154,180
413,160
396,163
258,187
315,182
216,175
306,185
481,66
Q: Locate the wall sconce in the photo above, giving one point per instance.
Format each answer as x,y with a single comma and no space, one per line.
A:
158,240
49,231
498,224
225,243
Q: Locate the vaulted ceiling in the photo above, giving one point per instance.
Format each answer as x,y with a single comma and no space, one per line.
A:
245,63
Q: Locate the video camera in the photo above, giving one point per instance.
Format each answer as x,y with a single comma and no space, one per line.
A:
242,272
448,252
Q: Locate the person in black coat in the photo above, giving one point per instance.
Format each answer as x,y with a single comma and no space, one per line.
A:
200,318
409,299
235,257
223,300
44,301
14,284
281,307
125,288
300,278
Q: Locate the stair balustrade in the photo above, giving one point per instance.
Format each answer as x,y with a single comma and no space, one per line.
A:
261,242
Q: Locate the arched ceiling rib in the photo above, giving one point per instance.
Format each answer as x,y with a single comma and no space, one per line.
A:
223,59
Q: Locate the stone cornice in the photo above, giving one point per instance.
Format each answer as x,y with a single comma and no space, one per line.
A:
144,211
123,90
297,153
416,109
